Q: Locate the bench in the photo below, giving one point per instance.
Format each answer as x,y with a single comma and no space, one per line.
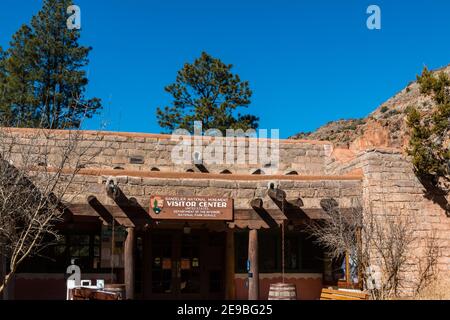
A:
332,294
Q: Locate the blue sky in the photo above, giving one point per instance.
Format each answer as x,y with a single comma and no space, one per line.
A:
308,62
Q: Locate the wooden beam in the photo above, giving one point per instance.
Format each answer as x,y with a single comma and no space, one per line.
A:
256,203
101,210
297,202
329,204
230,290
253,280
129,263
277,194
112,189
201,167
264,215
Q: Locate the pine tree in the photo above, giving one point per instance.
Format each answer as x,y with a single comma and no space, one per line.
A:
429,141
18,102
2,80
207,91
45,78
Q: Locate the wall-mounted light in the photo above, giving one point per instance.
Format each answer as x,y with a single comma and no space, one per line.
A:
186,228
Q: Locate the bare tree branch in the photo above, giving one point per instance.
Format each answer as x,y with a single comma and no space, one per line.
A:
38,169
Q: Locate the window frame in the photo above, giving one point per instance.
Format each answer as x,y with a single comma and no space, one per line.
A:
241,251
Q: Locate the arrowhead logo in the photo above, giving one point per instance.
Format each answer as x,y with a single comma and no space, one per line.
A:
156,204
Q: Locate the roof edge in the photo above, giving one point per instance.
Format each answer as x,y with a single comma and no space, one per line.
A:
147,135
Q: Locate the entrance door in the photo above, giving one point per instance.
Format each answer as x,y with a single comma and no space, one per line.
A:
189,266
161,266
185,266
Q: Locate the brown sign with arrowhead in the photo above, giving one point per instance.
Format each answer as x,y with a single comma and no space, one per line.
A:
191,208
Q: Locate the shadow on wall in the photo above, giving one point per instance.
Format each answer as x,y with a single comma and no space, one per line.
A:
436,194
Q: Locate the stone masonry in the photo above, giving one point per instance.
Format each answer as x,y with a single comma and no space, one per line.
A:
391,187
381,179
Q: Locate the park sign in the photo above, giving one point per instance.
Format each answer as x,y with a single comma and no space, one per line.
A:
191,208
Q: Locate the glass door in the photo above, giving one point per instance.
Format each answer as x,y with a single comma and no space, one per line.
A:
189,266
184,265
162,265
175,265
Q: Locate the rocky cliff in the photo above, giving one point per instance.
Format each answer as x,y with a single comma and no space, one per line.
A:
384,127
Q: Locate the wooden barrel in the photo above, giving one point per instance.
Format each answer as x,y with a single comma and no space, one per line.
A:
117,288
282,291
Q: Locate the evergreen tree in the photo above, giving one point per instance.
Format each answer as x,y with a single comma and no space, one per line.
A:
18,102
45,81
207,91
429,142
2,79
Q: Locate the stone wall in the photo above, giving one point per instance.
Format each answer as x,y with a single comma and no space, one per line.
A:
142,166
391,189
346,190
145,152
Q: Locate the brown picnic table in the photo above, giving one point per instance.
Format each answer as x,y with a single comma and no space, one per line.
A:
94,294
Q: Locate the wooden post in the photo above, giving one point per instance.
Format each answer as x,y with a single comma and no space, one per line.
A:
253,281
230,290
129,263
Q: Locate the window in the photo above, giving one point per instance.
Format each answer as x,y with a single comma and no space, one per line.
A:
269,251
215,281
83,247
345,271
312,255
241,251
301,254
292,253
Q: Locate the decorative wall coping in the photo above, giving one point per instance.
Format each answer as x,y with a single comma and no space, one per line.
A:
354,175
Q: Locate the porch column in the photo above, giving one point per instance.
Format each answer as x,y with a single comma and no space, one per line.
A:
230,293
129,263
253,281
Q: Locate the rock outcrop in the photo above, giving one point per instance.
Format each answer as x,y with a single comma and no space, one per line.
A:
384,127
